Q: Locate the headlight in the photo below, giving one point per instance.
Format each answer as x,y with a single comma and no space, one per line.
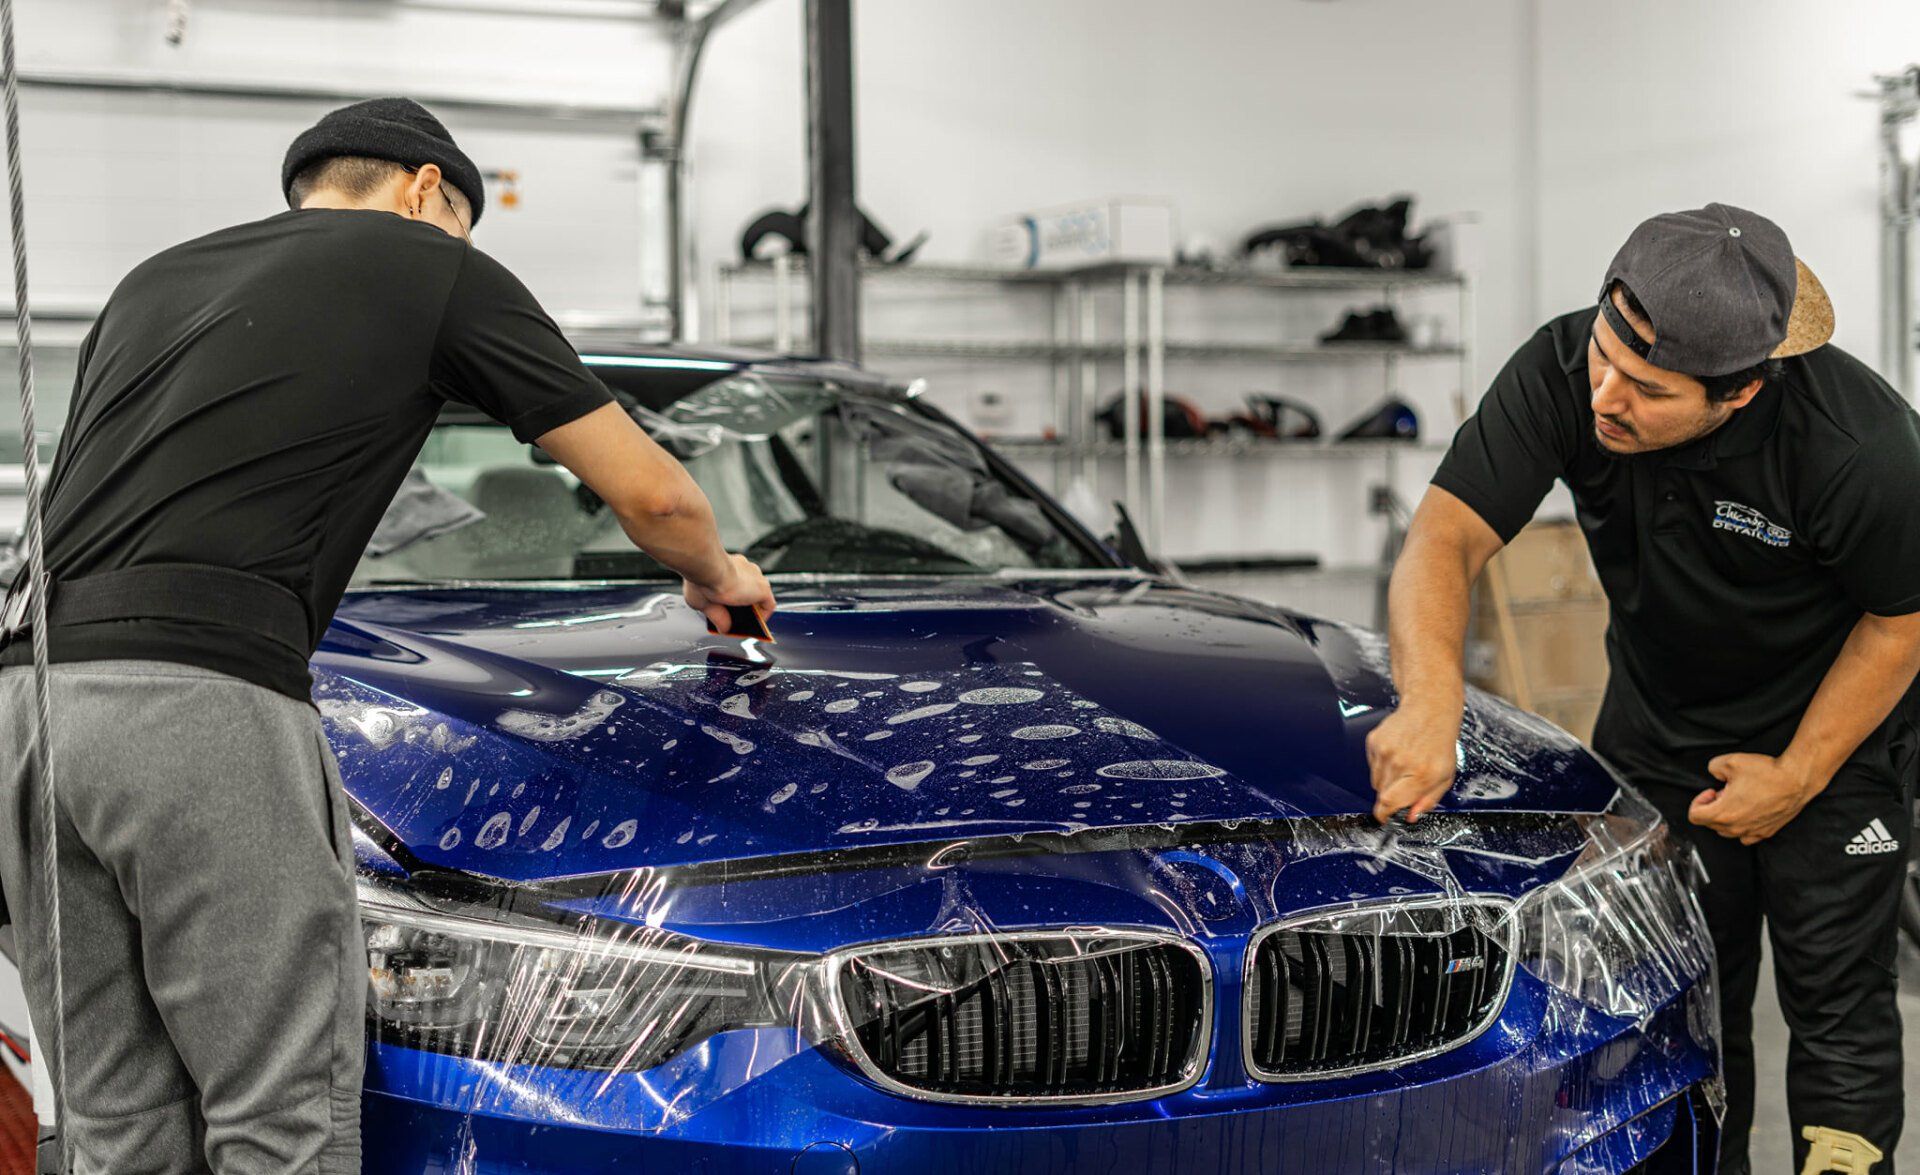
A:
621,997
1622,931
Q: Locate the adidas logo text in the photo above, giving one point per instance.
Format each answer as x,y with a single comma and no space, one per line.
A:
1872,840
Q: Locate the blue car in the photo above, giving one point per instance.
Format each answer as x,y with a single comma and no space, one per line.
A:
1003,856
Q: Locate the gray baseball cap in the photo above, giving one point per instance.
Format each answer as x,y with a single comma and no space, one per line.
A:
1722,290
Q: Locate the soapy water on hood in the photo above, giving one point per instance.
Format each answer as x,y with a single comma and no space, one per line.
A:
383,726
559,727
900,740
895,744
1001,696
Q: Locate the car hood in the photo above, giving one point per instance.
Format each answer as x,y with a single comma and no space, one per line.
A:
536,732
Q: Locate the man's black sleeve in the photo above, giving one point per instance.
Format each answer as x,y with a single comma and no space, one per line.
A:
1524,434
75,426
499,352
1867,531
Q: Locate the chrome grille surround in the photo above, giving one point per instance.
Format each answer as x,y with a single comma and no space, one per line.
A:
846,1024
1504,936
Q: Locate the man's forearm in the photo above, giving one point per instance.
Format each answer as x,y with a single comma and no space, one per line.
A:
1428,602
1412,753
1875,667
657,501
679,531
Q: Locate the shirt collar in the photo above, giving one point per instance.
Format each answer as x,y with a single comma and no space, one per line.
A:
1749,429
1752,426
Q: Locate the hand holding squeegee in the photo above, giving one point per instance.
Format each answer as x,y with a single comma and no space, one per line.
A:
743,621
738,606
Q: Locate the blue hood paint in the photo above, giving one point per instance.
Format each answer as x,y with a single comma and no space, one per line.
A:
531,733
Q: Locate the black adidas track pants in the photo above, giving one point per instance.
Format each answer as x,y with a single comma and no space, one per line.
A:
1827,887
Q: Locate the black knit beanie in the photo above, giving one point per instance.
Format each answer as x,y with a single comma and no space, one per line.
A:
398,130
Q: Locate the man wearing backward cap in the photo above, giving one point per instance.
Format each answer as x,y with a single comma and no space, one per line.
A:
1745,489
247,405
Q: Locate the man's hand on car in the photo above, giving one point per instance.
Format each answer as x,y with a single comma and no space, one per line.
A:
1759,795
1413,755
743,586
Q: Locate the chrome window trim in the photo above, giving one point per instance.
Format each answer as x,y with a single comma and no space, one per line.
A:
1191,1068
1507,908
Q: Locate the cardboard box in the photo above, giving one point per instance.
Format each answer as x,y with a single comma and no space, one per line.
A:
1092,233
1561,648
1573,712
1548,652
1548,561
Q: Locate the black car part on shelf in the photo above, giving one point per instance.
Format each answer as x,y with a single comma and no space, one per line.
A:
1180,418
791,227
1378,325
1367,238
1393,420
1274,418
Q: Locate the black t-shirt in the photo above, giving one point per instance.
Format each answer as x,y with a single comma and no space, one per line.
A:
1735,565
252,400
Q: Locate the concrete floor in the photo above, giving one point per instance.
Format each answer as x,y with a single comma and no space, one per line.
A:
1772,1149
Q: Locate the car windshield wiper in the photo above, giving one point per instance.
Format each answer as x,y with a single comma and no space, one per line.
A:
628,564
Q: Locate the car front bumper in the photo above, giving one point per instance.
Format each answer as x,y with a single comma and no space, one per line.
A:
1561,1094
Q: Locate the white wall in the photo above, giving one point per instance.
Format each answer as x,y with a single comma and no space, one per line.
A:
1241,113
1651,105
113,178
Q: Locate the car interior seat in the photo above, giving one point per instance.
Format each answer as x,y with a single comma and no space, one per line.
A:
533,527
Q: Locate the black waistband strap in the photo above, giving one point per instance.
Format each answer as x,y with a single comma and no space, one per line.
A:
175,591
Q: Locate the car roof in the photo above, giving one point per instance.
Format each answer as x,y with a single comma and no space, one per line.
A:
657,374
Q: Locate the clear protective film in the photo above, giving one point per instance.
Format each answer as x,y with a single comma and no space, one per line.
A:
1285,955
802,476
973,874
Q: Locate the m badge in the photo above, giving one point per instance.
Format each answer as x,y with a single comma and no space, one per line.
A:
1745,520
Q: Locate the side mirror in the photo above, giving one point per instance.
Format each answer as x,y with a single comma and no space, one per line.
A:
1126,540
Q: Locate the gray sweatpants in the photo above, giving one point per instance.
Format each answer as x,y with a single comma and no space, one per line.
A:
215,975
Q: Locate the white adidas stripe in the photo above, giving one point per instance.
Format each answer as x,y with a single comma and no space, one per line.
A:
1880,829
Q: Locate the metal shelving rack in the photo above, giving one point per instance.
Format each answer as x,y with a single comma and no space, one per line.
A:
1073,348
1899,98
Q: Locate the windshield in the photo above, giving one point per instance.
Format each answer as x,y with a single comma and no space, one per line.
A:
804,476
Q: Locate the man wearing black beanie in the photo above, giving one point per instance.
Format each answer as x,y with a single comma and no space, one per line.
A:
247,405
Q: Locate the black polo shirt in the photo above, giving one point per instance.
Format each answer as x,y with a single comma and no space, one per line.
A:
253,398
1735,565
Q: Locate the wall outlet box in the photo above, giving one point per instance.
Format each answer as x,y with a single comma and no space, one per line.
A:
1092,233
991,412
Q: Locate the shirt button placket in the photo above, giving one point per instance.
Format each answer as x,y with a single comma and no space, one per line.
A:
1669,511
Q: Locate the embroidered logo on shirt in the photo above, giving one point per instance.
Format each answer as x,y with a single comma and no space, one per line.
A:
1750,522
